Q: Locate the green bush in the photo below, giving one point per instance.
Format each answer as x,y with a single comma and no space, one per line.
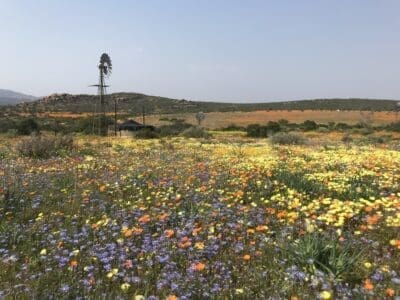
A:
90,125
196,132
38,146
146,133
174,129
7,124
325,253
394,126
288,139
309,125
27,126
233,127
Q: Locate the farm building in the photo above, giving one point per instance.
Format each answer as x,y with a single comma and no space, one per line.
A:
132,125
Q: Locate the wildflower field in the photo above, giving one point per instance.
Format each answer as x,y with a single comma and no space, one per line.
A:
223,218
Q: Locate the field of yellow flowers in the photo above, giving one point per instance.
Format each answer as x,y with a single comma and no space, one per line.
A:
194,219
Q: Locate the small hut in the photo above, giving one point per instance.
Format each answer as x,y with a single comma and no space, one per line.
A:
131,125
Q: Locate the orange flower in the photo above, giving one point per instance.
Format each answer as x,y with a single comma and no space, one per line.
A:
128,233
163,217
281,214
261,228
372,220
169,233
196,230
184,243
368,285
239,194
144,219
73,263
102,188
246,257
389,292
172,297
198,266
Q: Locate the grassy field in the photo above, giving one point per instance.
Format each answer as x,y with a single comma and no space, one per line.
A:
217,120
227,217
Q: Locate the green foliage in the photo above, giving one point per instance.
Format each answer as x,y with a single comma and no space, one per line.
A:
283,138
196,132
233,127
394,126
325,253
7,124
27,126
309,125
174,129
90,125
146,133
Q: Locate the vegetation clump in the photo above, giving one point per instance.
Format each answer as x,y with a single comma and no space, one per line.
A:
40,146
286,138
195,132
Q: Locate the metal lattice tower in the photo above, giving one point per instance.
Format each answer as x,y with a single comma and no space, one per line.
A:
105,67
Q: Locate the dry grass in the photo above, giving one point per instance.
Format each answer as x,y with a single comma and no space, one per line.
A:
216,120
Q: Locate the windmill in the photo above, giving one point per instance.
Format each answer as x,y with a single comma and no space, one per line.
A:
105,68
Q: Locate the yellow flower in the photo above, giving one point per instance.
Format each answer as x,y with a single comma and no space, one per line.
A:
140,297
239,291
125,286
325,295
367,265
43,252
199,245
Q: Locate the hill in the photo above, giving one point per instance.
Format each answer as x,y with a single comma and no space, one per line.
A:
11,97
133,103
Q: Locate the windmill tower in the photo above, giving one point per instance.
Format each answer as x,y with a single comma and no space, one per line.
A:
105,68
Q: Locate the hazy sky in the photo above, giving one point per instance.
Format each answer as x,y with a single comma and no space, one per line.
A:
232,50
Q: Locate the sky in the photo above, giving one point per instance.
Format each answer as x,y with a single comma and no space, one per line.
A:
211,50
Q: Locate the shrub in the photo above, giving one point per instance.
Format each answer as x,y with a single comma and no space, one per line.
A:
394,126
273,127
309,125
195,132
342,126
90,125
174,129
347,138
322,252
146,133
254,130
7,124
233,127
288,139
37,146
27,126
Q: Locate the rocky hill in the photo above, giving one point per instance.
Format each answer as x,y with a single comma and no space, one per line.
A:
134,103
11,97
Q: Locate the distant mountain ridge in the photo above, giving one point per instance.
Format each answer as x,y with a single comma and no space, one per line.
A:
11,97
134,103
